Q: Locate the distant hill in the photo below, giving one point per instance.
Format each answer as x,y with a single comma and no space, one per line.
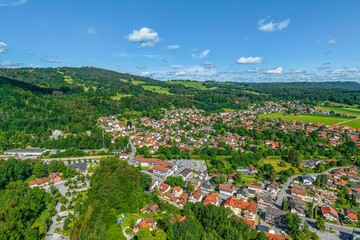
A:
35,101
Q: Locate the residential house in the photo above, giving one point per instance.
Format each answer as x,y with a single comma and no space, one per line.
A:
53,177
272,236
206,186
350,215
183,199
242,193
170,197
202,175
196,196
257,187
144,223
212,198
329,213
272,188
153,208
226,189
164,187
241,208
298,192
264,200
177,191
307,180
186,173
274,216
297,206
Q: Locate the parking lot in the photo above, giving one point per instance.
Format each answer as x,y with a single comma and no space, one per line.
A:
197,165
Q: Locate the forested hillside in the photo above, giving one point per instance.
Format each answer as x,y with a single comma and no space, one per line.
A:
36,101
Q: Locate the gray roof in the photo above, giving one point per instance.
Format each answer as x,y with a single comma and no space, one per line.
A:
185,172
81,166
275,211
27,150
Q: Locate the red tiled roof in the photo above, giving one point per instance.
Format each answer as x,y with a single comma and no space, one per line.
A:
226,187
235,203
298,191
329,210
211,198
249,222
274,237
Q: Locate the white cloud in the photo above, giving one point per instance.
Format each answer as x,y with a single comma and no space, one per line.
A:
3,47
332,41
173,47
201,55
249,60
180,73
11,3
10,64
176,66
53,60
146,74
275,71
91,30
209,65
204,53
298,71
253,70
145,36
272,26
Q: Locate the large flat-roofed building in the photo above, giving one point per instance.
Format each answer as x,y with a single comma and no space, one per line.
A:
26,152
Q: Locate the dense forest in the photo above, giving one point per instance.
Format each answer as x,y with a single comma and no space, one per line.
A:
20,206
118,188
35,101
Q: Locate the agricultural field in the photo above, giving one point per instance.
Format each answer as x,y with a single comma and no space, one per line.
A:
314,118
346,110
197,85
156,89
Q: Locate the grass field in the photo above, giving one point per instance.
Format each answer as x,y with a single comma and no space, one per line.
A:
314,118
197,85
247,91
343,109
275,160
68,79
119,96
156,89
137,82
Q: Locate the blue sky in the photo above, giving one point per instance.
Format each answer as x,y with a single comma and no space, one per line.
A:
202,40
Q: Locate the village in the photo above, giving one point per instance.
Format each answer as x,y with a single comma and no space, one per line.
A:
324,198
264,205
192,128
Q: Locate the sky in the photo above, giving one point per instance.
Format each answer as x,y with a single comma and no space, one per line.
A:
243,41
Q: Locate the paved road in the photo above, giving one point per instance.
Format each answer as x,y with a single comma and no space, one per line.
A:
341,228
53,226
283,192
128,237
78,158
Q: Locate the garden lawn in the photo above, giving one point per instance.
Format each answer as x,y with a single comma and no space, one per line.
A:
314,118
275,160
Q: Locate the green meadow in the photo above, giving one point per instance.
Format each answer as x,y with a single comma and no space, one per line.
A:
156,89
314,118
